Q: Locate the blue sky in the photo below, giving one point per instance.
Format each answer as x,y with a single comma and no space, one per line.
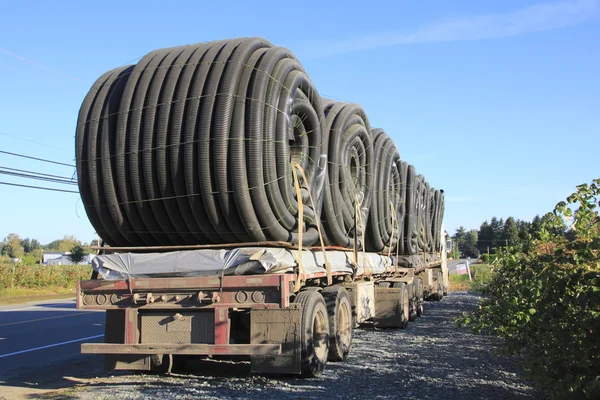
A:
497,103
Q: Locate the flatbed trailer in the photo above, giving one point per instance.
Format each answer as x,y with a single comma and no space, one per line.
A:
283,327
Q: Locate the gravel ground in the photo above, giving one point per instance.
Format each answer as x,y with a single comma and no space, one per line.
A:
431,359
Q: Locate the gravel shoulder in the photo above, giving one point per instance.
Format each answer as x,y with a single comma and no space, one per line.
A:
431,359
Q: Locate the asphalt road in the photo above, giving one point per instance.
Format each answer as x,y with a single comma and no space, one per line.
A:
40,345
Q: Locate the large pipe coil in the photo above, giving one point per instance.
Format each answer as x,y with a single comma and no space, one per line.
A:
226,141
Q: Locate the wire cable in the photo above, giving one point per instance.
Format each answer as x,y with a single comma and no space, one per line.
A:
36,158
38,187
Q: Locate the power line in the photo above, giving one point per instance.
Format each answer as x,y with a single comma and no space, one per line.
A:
39,178
38,187
35,158
36,173
33,141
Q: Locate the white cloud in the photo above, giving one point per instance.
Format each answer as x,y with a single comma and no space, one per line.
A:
537,18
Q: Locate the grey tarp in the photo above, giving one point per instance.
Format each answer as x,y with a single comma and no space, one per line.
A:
239,261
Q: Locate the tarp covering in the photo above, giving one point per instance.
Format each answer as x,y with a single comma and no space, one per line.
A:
239,261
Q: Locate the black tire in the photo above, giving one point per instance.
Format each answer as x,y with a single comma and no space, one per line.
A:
404,297
339,310
419,292
159,363
314,337
412,302
438,291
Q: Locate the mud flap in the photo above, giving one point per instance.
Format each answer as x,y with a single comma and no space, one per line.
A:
389,310
114,332
276,326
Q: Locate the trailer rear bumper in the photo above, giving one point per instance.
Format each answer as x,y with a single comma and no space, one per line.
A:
182,349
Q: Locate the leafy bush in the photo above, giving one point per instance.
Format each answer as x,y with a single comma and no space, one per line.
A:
545,302
488,258
482,275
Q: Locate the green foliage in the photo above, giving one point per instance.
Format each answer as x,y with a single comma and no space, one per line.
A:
30,245
544,301
510,232
77,254
41,276
67,243
482,275
11,246
488,258
466,242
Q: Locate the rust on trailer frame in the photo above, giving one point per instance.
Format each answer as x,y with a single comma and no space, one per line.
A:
267,291
131,326
192,349
222,325
194,283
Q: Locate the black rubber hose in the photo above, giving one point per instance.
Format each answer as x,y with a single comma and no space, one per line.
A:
196,145
199,146
410,217
85,122
107,141
403,172
383,233
126,169
349,172
106,227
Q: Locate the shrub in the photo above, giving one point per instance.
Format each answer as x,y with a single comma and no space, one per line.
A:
545,302
488,258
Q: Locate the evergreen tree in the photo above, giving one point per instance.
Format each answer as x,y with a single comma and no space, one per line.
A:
510,232
484,237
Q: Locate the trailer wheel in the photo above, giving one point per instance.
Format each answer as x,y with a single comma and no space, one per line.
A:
314,337
439,291
412,301
339,310
161,363
405,303
419,291
441,285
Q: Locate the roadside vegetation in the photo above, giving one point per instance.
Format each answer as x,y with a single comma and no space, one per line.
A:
481,274
20,280
24,276
543,299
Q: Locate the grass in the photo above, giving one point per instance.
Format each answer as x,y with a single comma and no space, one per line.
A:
481,274
21,295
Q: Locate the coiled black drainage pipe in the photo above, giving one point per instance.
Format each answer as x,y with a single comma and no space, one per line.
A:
195,145
350,177
383,232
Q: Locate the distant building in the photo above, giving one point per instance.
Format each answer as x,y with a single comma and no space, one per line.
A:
62,258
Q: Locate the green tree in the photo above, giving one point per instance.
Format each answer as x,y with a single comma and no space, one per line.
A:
470,244
536,225
510,232
67,243
485,236
496,228
30,244
11,246
52,246
77,254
